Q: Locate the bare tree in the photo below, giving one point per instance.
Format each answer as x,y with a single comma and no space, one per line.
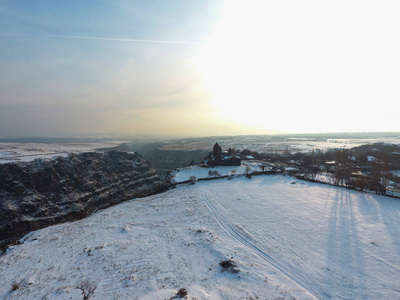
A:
247,170
193,179
380,174
343,167
361,182
87,287
213,173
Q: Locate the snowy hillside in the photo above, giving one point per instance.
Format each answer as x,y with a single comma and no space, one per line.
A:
289,239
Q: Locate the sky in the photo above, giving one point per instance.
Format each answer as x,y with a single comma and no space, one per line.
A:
198,67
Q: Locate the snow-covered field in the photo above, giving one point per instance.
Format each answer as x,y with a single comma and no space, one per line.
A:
184,174
281,143
290,240
11,152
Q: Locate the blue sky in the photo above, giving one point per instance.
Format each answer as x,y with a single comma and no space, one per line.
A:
189,68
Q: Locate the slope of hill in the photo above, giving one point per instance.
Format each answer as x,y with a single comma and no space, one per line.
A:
289,240
44,192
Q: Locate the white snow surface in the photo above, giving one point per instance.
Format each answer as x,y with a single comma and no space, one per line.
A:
290,239
184,174
14,152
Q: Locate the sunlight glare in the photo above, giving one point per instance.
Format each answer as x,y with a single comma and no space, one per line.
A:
271,60
233,64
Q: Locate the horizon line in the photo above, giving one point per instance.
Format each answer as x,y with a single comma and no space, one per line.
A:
125,136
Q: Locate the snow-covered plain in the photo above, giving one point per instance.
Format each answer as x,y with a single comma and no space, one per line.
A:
281,143
13,152
290,239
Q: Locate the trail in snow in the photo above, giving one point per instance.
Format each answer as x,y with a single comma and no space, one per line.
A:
226,224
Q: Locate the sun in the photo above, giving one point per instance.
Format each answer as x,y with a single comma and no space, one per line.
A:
292,67
235,64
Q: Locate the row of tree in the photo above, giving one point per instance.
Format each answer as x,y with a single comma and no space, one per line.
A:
344,172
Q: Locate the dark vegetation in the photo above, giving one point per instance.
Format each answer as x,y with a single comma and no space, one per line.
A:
181,293
229,266
15,286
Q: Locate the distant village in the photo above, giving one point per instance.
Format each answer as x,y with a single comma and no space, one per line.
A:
374,168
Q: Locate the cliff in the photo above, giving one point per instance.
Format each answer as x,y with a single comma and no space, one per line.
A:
37,194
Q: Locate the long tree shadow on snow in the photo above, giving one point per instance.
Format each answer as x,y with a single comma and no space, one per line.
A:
345,261
388,213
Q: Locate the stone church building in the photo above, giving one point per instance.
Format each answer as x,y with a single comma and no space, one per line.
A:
222,158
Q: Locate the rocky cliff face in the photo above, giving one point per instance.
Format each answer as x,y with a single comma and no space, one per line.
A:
44,192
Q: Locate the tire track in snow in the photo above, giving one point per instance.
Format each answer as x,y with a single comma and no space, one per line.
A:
127,273
223,221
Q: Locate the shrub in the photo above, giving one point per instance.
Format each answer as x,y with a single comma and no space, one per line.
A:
229,266
213,173
157,186
171,181
182,293
193,179
14,286
87,288
247,170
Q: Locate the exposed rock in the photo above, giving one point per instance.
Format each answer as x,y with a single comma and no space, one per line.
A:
36,194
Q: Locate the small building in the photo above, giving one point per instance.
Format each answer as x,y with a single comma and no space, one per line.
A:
392,191
231,161
330,165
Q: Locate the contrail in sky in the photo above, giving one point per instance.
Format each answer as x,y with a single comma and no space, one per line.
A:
106,39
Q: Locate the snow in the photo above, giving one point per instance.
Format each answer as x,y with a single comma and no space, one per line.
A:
183,174
325,177
12,152
290,239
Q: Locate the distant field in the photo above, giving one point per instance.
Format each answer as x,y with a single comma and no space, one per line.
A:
281,143
11,152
